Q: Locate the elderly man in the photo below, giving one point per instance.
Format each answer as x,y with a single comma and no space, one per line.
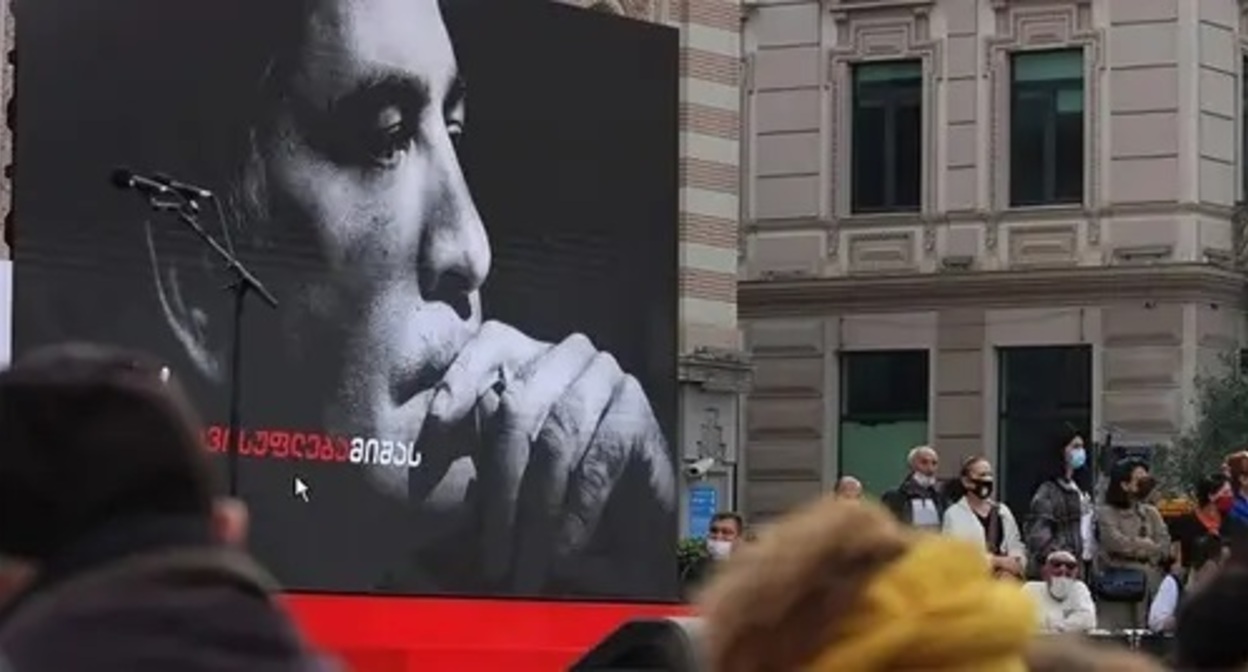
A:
1063,602
918,500
848,487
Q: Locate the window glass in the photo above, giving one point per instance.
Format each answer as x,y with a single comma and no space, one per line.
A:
887,130
885,384
1047,128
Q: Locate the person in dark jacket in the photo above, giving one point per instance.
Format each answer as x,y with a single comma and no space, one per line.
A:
106,492
1061,510
919,501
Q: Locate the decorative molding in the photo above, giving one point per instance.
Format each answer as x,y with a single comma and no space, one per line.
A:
843,7
893,30
882,252
1044,245
1021,215
1049,287
716,370
1042,25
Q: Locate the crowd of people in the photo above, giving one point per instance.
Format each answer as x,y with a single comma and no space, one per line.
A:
953,579
117,552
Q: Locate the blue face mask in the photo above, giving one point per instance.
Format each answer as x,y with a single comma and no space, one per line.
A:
1078,458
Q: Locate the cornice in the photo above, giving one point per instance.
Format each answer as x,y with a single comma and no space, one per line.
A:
715,369
1040,287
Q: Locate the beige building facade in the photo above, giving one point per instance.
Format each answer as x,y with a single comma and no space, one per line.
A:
1049,245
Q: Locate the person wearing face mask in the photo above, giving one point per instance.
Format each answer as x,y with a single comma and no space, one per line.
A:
724,534
1133,547
918,500
1063,602
1061,511
975,517
722,537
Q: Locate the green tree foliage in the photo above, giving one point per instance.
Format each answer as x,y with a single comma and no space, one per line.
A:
1221,428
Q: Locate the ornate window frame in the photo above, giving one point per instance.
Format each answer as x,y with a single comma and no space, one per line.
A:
871,33
1042,25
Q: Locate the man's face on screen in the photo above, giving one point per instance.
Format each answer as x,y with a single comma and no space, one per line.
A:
363,160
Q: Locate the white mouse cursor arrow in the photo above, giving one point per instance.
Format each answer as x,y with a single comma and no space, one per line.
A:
301,489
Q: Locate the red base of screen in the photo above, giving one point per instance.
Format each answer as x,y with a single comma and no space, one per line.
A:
392,634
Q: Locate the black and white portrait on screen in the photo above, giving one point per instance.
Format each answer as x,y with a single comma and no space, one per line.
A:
467,210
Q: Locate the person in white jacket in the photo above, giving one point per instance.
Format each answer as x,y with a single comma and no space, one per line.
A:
974,516
1063,602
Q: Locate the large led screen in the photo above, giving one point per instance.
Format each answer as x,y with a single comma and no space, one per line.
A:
467,212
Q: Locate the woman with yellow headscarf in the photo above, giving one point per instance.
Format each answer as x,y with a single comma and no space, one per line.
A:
842,587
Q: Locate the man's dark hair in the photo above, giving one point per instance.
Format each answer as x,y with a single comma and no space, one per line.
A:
1211,633
730,515
90,434
1208,486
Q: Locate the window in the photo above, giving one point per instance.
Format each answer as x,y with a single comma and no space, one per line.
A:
887,144
1046,128
884,402
1044,395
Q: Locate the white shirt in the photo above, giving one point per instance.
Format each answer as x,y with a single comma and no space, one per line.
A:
1076,613
1087,527
961,522
923,513
1164,604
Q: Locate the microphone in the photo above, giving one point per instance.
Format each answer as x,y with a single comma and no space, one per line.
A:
187,191
127,180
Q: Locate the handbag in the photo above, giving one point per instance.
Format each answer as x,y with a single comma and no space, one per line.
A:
1120,584
994,538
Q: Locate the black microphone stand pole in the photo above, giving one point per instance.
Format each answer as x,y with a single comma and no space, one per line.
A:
243,283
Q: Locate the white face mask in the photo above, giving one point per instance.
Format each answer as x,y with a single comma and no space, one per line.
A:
1059,587
718,548
924,480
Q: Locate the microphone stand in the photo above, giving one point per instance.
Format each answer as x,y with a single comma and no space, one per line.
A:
243,283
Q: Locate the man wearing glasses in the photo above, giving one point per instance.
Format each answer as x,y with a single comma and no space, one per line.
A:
1063,602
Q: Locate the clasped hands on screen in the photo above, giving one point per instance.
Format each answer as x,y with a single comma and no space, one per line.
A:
560,425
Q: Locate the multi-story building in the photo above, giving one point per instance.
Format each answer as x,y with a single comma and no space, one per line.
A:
983,224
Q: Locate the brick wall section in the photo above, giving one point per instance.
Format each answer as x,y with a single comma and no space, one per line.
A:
696,283
713,121
707,230
710,66
709,175
710,71
722,14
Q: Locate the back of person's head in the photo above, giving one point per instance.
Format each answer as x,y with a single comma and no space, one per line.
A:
841,585
1077,654
1209,486
1212,633
88,435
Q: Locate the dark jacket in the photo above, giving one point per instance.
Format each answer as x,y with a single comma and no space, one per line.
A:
899,501
1056,520
152,598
